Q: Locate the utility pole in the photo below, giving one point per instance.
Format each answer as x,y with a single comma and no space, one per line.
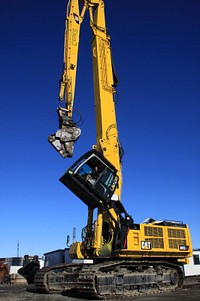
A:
74,234
18,248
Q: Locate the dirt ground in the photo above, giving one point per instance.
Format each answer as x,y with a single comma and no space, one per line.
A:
28,293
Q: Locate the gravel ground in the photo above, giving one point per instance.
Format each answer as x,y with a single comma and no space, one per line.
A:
28,293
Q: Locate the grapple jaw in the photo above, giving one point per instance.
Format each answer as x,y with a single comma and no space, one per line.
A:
63,140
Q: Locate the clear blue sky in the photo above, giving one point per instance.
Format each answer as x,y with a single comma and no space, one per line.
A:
155,47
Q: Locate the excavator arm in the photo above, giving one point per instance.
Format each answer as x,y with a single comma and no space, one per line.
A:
64,138
107,143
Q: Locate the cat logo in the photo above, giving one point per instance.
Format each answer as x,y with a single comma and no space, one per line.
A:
145,245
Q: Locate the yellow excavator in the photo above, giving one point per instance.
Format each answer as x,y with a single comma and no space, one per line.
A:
116,255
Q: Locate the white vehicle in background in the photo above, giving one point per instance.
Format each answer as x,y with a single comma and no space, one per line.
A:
193,268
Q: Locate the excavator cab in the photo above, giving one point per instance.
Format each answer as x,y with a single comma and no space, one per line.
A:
92,178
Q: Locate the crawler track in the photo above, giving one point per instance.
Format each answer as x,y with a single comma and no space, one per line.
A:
111,278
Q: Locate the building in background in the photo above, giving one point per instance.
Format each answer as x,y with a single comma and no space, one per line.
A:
57,257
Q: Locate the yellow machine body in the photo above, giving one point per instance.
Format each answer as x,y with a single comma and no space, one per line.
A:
110,233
